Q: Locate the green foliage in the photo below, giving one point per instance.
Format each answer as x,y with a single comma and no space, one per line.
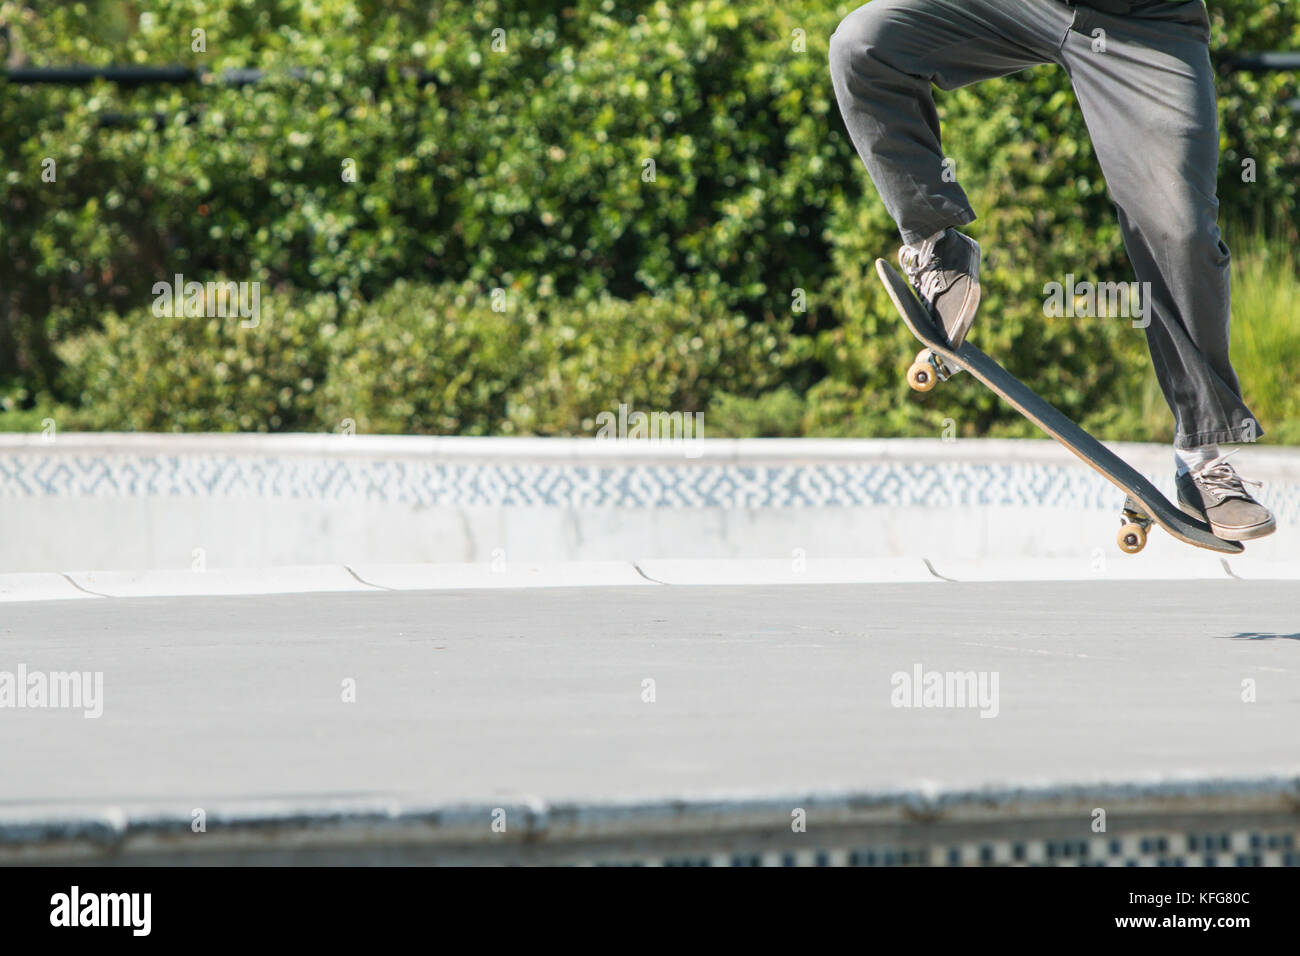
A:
428,361
419,359
525,165
774,414
444,360
143,372
1266,334
671,352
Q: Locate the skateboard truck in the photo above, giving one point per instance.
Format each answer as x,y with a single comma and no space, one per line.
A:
1133,525
928,370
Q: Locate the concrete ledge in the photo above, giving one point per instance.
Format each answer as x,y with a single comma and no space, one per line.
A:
424,577
78,585
741,572
280,580
1191,567
241,501
1262,569
39,587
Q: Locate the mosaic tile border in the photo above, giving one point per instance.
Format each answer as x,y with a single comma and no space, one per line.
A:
890,483
1229,847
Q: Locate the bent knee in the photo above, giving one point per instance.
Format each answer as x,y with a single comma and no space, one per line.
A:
1191,226
864,29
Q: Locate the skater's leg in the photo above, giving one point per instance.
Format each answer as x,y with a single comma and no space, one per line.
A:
1146,88
884,58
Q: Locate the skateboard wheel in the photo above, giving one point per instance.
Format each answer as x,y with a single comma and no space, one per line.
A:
1132,538
921,376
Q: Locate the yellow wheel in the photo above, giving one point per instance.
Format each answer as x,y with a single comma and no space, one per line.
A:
1132,538
921,376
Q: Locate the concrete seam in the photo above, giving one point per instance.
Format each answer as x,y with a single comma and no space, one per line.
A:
361,580
67,577
936,573
636,567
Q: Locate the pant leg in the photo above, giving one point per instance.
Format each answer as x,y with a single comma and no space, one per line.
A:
1148,99
884,57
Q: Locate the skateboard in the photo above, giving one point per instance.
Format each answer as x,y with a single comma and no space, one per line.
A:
937,362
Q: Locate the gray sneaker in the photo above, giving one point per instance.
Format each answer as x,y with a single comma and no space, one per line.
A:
1215,493
946,274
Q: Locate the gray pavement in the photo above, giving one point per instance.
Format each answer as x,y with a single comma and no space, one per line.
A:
490,695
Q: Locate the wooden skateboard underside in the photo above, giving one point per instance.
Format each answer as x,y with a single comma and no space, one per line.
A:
1050,419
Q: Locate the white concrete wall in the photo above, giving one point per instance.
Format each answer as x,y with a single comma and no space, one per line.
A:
166,501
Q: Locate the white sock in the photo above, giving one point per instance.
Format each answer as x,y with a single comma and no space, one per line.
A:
930,240
1189,459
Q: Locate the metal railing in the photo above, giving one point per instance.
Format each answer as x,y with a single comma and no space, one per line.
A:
137,76
1266,62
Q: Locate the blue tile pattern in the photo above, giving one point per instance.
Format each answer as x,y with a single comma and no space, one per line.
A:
633,485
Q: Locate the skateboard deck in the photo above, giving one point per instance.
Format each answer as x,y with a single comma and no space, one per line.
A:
1154,507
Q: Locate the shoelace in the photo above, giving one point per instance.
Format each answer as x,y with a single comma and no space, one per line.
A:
922,267
1217,475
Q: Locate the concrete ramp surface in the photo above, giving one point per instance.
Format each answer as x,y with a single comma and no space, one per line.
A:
875,723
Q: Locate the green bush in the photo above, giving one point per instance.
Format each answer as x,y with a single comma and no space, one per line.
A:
419,359
671,353
776,413
525,164
143,372
444,360
427,361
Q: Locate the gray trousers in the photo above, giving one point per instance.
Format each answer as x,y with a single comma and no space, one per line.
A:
1150,106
